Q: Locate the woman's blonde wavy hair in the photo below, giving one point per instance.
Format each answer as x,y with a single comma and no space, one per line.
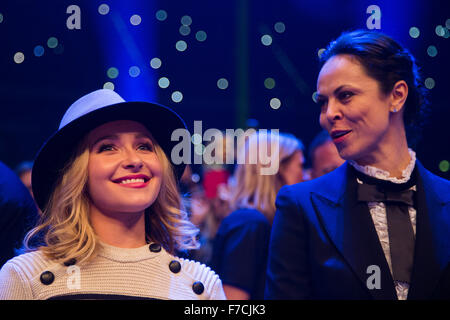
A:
64,228
253,190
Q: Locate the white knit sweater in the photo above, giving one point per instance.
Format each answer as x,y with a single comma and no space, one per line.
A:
115,273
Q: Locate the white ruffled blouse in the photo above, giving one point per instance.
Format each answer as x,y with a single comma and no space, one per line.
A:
378,212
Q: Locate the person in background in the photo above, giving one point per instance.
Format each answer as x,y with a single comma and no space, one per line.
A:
210,205
23,170
323,155
112,215
18,213
241,243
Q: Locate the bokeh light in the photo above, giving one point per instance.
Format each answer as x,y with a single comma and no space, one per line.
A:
199,149
446,33
432,51
135,19
314,96
155,63
269,83
1,18
108,85
163,82
181,45
440,31
52,42
222,83
275,103
279,27
320,52
266,40
177,96
38,51
196,138
186,20
134,71
103,9
429,83
19,57
59,49
112,73
200,35
161,15
444,165
414,32
184,30
195,177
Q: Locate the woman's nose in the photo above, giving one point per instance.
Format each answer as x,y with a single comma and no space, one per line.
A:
334,111
132,161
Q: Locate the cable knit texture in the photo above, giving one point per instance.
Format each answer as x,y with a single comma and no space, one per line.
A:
118,272
378,212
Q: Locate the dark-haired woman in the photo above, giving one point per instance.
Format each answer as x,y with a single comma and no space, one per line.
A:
378,226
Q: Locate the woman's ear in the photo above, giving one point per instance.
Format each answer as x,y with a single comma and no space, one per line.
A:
399,94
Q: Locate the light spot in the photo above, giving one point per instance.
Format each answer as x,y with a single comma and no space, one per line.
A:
108,85
266,40
279,27
163,82
200,35
135,19
161,15
155,63
177,96
134,71
19,57
103,9
275,103
38,51
181,45
222,83
414,32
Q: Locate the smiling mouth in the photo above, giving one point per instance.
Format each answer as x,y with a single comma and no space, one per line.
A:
338,136
133,182
128,181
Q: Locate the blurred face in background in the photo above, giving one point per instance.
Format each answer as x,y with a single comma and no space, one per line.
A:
291,170
326,159
25,177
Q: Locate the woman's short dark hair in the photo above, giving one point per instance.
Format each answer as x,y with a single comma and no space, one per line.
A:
386,61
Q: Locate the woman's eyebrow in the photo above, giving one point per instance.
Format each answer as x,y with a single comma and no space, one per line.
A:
142,135
107,137
335,92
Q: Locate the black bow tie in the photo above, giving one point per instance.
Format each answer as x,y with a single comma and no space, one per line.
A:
375,193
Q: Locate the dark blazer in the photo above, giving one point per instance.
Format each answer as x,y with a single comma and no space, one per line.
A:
18,213
322,245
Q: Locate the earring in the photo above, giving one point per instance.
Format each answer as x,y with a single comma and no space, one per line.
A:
395,109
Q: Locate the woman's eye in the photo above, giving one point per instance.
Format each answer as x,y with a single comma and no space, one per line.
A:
105,147
345,95
146,146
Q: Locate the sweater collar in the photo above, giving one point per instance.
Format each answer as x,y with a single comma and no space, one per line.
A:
126,254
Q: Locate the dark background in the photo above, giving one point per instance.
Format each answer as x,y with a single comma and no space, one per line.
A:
35,93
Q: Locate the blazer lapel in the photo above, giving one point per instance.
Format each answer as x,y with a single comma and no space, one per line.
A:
432,248
350,228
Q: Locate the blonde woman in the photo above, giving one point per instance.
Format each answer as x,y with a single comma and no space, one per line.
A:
112,217
241,243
